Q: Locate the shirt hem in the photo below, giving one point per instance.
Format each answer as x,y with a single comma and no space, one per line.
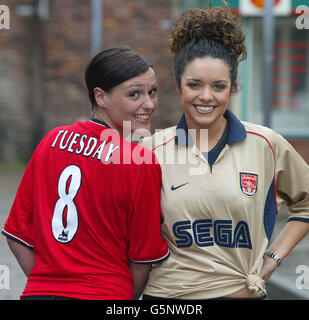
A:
74,296
19,240
151,261
201,294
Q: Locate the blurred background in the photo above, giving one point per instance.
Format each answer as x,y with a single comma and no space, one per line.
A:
46,45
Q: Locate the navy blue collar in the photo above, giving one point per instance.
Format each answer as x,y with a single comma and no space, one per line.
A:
100,122
182,136
236,130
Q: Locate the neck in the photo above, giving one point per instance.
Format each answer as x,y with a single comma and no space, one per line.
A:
206,138
104,118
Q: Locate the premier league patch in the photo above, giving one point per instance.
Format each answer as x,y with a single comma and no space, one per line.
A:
248,183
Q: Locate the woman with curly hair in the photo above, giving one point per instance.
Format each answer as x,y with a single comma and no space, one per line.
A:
219,217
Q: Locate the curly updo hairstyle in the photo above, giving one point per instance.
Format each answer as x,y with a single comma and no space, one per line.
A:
210,32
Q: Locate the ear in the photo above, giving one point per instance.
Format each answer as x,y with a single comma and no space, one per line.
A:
177,87
100,97
234,88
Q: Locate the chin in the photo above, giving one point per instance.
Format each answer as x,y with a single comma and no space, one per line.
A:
206,122
141,131
200,124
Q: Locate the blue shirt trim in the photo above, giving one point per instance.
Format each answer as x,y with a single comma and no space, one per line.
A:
270,211
236,130
182,136
298,219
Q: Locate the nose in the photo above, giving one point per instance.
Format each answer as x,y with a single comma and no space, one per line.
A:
206,94
149,103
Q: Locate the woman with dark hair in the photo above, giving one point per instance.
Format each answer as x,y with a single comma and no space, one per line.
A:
116,96
81,226
219,201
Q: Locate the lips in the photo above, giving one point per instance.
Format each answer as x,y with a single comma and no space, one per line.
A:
142,117
204,109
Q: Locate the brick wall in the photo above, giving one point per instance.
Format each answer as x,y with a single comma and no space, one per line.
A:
15,89
302,147
43,63
65,57
144,25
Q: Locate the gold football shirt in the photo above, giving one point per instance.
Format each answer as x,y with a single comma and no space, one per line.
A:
219,215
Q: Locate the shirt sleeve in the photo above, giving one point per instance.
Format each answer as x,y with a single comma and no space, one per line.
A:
292,180
146,244
18,225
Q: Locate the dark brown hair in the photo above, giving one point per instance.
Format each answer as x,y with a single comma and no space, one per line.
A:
215,32
112,67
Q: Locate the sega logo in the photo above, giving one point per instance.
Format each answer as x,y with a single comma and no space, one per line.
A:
208,233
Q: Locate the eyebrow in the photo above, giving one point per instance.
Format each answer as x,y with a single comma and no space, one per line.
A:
198,80
140,85
221,81
192,79
136,85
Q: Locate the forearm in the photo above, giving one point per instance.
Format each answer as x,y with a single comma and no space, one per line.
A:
289,237
23,255
140,274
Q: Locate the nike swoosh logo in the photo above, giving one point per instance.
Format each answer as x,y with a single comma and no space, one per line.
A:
175,188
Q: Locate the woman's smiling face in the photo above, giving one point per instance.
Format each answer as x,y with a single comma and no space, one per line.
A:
205,92
132,101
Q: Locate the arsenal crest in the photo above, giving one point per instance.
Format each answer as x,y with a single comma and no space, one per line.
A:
248,183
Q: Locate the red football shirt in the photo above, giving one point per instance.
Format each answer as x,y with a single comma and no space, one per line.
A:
87,208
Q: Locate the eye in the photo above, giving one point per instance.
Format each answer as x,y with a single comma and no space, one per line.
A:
193,85
219,87
134,94
153,92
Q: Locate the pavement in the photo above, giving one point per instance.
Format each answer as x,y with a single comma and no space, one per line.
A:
16,280
289,281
